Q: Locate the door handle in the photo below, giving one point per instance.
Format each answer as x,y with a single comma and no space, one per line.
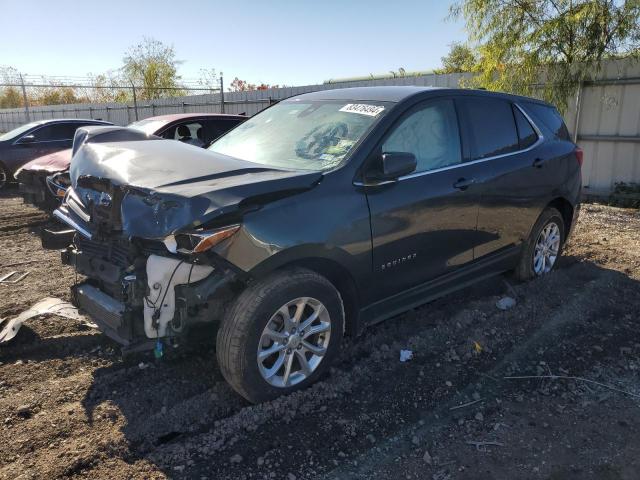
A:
538,163
463,183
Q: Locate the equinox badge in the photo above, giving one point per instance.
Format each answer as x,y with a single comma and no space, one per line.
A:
398,261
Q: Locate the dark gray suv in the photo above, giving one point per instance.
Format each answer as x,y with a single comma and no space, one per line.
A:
321,215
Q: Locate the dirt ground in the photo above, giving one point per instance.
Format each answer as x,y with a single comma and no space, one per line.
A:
71,407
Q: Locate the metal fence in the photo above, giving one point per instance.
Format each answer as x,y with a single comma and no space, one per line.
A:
605,119
248,102
604,116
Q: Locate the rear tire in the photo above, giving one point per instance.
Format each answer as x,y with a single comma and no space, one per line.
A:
542,250
280,334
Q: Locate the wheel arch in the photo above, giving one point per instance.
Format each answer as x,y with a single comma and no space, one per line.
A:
334,271
566,209
9,175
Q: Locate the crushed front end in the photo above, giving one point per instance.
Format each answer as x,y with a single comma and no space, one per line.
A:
160,232
136,289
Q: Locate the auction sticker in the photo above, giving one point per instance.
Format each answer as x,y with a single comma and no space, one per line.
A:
362,109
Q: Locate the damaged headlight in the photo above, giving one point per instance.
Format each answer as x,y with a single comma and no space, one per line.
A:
200,241
58,183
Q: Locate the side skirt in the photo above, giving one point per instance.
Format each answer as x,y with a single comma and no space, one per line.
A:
482,269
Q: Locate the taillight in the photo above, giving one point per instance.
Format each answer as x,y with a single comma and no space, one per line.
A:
579,156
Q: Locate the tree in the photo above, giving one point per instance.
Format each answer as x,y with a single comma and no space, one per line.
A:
153,68
10,97
460,59
238,85
552,43
209,79
55,95
108,87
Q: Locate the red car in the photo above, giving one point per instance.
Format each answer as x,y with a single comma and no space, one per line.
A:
44,181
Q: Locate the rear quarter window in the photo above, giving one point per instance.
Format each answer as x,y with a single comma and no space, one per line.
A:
526,134
550,118
489,126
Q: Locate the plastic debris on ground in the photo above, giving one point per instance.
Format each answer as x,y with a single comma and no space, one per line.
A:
505,303
49,305
406,355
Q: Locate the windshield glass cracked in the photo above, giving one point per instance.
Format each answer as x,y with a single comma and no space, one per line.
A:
303,135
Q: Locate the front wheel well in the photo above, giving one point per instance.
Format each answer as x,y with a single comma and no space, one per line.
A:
8,175
566,209
342,280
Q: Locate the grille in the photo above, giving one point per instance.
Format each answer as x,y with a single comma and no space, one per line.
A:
111,252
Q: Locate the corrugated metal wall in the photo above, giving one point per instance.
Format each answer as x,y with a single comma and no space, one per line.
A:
608,115
609,127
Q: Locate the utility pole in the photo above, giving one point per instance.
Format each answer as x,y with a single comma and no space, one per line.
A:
221,93
26,102
135,100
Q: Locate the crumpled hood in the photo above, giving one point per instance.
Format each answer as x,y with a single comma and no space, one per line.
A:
54,162
163,187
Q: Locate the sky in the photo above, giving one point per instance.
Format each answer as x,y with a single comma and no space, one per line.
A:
272,41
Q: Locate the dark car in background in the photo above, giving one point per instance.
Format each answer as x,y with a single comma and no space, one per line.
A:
43,181
35,139
323,214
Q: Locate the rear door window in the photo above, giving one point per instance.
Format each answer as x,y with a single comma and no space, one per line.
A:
430,133
526,134
550,118
489,125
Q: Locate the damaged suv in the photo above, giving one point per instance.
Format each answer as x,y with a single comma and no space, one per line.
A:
322,214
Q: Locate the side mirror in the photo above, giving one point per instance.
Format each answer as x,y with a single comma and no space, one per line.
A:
27,139
394,165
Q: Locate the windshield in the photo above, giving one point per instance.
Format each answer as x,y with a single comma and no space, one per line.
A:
311,135
149,126
18,131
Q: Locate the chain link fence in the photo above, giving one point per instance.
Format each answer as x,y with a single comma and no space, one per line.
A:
195,100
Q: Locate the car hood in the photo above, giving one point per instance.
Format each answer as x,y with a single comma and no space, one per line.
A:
152,189
53,162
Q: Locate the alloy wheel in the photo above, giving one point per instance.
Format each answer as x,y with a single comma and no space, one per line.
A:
546,249
294,342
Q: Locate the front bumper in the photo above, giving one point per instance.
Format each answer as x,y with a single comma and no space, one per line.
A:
136,289
112,295
136,298
108,313
56,239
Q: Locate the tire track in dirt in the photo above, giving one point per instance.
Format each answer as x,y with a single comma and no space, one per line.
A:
563,322
16,217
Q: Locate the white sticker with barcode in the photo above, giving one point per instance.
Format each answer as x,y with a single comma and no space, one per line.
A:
362,109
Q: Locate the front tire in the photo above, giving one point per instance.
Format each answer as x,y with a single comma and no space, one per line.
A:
4,177
280,334
541,252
